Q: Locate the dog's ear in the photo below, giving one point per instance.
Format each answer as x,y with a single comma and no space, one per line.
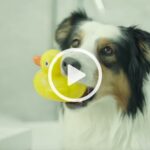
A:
139,67
65,27
142,41
63,30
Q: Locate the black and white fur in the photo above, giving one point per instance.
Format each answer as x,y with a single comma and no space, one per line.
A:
109,121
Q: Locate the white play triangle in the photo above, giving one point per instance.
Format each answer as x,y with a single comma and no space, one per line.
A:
74,75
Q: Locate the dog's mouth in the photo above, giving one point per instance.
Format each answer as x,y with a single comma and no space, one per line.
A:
88,91
74,105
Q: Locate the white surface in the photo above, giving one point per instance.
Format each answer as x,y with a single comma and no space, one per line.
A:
13,134
33,135
15,139
45,135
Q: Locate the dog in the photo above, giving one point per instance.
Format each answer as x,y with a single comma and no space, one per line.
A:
117,117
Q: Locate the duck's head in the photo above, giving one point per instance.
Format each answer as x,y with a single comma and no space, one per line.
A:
42,85
45,60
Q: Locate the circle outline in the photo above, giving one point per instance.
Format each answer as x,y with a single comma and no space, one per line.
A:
81,98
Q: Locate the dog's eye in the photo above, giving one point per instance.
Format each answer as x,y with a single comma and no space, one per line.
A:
107,51
75,43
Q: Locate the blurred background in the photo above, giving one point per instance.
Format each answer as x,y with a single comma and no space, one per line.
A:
26,29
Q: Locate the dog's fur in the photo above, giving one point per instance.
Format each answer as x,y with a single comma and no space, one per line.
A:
118,117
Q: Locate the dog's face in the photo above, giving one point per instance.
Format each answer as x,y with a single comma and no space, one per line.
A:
122,52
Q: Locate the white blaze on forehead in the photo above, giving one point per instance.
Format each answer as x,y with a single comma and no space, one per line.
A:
101,30
94,31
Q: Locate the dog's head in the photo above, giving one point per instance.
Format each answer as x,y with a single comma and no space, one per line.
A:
123,52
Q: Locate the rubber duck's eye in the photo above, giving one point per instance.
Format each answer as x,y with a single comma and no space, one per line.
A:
46,64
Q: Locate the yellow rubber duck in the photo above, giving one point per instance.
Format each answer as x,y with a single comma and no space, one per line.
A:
60,81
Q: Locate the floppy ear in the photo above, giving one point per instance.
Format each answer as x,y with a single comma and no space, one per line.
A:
139,67
142,41
63,30
65,27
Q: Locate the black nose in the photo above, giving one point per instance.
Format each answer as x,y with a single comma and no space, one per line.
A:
70,61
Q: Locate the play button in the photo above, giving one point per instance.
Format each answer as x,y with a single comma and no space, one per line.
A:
74,75
89,74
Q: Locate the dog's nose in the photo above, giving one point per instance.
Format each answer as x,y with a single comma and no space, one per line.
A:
70,61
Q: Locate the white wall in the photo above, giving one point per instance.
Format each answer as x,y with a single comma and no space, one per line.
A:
121,12
117,12
25,30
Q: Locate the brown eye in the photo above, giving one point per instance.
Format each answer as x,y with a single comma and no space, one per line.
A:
107,51
75,43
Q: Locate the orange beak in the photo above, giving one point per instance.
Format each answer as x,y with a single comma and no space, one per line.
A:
37,60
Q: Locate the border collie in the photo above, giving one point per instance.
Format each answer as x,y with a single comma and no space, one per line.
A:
118,116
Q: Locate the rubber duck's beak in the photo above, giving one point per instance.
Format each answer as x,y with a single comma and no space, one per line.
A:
37,60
